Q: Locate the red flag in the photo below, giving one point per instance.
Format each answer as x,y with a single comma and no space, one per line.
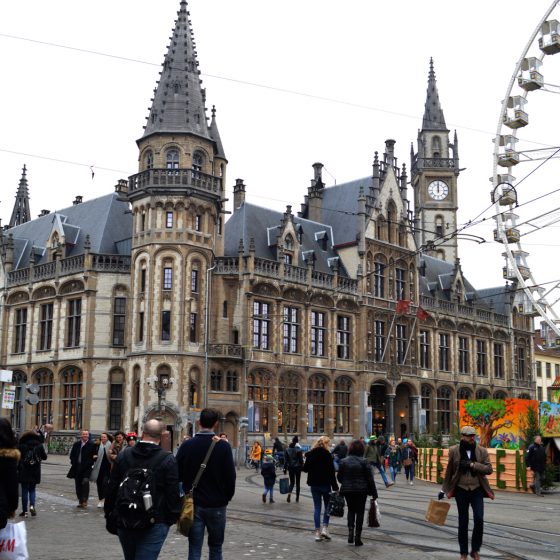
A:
402,306
421,314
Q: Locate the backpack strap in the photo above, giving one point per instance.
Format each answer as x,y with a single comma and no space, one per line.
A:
203,466
153,462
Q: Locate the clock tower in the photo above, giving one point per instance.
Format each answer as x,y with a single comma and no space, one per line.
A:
435,168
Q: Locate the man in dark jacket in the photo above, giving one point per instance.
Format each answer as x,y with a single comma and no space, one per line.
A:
147,453
215,488
536,461
81,458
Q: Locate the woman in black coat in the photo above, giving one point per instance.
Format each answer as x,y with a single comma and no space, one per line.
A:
29,470
356,478
9,457
321,478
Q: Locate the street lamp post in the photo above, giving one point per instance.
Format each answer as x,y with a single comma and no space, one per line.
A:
160,384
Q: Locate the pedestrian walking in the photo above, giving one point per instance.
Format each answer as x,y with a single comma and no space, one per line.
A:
393,456
81,459
339,452
9,458
356,484
466,480
278,451
119,443
29,469
373,456
268,472
160,494
215,488
255,455
409,459
321,478
536,461
293,465
101,467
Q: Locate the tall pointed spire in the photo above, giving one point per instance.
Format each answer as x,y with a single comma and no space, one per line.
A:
215,135
178,105
433,113
21,212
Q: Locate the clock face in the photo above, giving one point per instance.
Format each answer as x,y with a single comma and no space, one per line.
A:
438,190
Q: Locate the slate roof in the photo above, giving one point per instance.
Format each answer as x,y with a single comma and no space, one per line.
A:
107,220
263,225
433,113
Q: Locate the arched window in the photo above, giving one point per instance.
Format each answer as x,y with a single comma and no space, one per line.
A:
289,391
289,243
43,411
72,401
317,399
391,222
149,160
216,380
426,404
500,395
342,402
439,224
172,159
197,162
444,409
463,394
482,394
258,385
379,278
116,391
436,146
400,280
19,379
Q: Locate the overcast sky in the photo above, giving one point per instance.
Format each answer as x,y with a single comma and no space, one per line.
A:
294,82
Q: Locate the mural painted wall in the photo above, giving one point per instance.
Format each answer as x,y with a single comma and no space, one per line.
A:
499,423
549,419
510,472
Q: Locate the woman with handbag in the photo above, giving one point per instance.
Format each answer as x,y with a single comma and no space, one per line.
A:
356,484
321,478
393,456
409,456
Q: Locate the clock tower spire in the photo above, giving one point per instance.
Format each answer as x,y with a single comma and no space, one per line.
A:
435,168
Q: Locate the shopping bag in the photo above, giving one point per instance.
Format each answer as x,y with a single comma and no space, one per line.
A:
335,507
13,542
284,483
374,515
437,512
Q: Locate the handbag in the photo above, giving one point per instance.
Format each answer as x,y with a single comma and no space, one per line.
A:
335,508
407,462
374,515
13,542
437,511
186,517
71,472
284,483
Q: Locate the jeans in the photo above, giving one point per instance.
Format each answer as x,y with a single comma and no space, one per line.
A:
269,490
295,478
537,482
82,489
394,470
381,470
143,545
474,499
409,472
320,493
356,502
27,492
214,519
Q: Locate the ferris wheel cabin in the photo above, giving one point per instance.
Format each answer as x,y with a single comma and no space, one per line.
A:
549,41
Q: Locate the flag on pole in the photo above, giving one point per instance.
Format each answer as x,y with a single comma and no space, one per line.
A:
421,314
402,306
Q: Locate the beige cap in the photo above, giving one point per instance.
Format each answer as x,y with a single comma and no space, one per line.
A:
468,431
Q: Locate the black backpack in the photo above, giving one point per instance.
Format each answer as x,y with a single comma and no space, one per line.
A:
135,505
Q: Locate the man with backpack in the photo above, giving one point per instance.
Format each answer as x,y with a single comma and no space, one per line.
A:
142,498
215,487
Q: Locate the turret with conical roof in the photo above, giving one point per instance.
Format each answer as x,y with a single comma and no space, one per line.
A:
21,212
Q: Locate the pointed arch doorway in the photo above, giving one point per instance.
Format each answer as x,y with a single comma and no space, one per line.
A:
377,399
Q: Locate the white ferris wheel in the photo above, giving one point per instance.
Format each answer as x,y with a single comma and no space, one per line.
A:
526,185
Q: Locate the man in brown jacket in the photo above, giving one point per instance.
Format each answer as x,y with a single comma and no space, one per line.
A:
465,479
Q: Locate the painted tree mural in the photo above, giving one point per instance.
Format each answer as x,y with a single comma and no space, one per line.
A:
487,416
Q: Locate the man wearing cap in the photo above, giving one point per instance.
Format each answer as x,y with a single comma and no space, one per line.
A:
466,480
374,459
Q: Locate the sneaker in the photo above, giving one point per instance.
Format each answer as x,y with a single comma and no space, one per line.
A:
271,501
318,536
32,511
411,483
264,498
325,533
23,514
100,503
389,484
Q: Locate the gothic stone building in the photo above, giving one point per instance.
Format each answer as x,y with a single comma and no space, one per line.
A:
146,302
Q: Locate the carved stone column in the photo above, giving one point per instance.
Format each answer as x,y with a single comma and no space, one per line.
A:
414,412
390,425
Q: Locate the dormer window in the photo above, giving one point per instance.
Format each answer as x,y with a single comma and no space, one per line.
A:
289,243
172,159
